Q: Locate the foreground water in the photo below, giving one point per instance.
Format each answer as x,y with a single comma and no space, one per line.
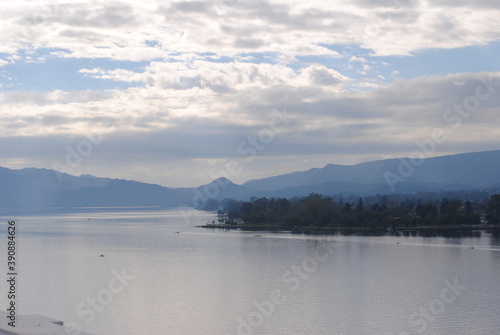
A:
161,275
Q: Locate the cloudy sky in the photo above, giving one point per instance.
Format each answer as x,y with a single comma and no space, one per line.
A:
179,93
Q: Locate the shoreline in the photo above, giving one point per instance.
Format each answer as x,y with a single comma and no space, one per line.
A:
333,230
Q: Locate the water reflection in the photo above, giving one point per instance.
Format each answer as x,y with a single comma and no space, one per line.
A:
494,237
450,233
363,233
456,234
407,233
205,281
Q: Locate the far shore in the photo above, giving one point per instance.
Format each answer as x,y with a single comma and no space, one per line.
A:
327,230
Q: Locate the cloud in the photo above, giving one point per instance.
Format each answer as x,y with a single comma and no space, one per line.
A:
56,96
191,7
120,30
151,127
320,75
200,122
387,4
248,43
222,77
492,4
213,73
111,15
357,59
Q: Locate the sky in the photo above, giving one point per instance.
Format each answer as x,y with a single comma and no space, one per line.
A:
179,93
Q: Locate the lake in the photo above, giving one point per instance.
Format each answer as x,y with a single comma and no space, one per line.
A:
162,275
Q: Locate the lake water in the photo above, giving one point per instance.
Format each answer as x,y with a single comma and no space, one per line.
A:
162,275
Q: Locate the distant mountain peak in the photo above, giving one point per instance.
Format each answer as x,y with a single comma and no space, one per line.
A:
219,182
88,176
224,180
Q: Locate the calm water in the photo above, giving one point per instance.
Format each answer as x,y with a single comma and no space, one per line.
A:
154,280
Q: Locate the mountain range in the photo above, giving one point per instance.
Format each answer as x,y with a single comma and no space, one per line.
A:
35,188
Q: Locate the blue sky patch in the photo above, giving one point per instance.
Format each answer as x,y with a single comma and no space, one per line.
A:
42,71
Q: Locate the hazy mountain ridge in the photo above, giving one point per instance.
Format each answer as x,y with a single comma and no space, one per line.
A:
33,187
470,170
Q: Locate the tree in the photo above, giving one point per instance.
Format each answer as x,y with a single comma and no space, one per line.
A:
494,208
360,205
347,207
494,204
468,207
384,201
449,210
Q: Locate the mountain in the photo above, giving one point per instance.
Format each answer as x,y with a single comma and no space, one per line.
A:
41,188
33,188
118,192
471,170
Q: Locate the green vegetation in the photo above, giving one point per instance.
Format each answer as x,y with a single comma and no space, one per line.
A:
322,214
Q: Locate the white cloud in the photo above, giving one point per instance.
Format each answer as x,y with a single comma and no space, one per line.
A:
320,119
319,75
357,59
121,30
216,71
223,77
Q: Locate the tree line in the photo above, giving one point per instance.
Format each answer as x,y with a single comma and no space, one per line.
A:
316,210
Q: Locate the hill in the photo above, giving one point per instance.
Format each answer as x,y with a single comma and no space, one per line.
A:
32,188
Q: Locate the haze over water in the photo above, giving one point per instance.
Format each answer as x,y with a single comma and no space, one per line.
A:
153,280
